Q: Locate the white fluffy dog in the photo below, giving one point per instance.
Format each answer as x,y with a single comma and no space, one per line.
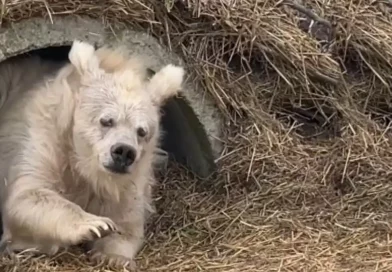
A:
76,154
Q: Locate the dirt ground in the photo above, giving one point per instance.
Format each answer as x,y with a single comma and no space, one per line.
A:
305,176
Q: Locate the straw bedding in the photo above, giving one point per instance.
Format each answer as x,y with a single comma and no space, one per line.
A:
305,180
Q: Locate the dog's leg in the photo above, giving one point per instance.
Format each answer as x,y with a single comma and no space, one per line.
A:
117,250
120,249
34,209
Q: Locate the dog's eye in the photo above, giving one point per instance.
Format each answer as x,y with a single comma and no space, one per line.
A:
106,122
141,132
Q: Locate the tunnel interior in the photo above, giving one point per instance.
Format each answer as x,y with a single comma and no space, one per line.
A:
184,137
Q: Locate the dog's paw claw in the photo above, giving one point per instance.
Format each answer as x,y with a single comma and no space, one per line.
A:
113,260
94,228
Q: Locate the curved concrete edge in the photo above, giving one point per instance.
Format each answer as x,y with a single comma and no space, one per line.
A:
35,33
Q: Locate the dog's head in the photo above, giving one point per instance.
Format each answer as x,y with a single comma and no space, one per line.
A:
116,113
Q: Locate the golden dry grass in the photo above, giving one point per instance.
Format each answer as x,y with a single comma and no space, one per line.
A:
285,199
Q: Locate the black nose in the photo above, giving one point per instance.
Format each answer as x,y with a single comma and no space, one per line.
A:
122,154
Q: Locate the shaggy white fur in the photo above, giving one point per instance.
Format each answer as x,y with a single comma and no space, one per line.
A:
77,150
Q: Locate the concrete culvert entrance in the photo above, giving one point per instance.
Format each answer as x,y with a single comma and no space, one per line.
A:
190,122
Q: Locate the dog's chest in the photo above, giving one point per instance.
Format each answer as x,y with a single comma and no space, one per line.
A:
76,190
80,195
86,198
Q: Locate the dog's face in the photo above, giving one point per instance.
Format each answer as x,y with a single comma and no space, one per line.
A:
117,125
116,117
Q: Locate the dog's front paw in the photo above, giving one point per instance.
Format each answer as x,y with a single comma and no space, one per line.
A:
112,260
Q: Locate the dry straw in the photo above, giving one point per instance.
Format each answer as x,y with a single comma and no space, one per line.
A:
305,181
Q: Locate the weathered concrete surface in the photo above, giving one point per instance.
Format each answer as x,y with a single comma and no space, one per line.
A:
39,33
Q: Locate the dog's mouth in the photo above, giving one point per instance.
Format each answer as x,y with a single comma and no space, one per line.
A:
117,168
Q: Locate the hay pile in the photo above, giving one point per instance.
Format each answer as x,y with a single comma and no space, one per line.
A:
305,181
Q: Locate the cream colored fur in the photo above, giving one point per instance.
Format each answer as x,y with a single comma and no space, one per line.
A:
55,189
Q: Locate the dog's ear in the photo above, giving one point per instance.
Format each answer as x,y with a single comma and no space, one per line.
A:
166,83
82,56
